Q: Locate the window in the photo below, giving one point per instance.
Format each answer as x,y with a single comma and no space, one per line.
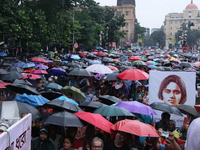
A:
180,22
171,22
189,16
172,17
171,28
118,13
127,12
170,33
175,22
199,21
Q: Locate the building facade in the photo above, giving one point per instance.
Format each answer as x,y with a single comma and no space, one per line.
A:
173,22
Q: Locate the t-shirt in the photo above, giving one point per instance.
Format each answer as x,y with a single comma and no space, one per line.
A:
77,145
110,145
162,147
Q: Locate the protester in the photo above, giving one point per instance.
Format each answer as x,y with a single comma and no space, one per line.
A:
77,144
97,144
88,94
163,122
172,128
67,143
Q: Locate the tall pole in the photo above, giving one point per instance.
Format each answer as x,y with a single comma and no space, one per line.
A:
73,25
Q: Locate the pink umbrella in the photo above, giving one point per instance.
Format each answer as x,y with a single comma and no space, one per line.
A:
39,71
100,53
82,54
113,68
38,59
31,76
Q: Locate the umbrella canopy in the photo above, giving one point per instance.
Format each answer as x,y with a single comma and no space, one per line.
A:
75,57
14,68
106,59
12,75
133,74
25,82
99,69
39,71
3,85
82,54
95,62
3,71
54,86
112,111
76,93
38,59
81,72
185,64
65,105
113,68
57,71
188,110
41,66
51,94
135,127
148,63
197,107
94,105
21,88
23,107
95,119
31,76
132,58
109,100
65,119
19,64
137,107
2,54
164,107
139,63
100,53
28,65
112,76
66,99
33,100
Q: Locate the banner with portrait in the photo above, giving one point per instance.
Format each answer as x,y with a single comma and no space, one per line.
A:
174,88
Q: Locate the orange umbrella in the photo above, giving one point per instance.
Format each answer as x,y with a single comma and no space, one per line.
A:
135,127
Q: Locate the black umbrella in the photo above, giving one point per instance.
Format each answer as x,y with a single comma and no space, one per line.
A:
112,77
65,119
23,107
3,71
168,68
81,72
188,110
109,100
11,97
185,64
25,82
94,105
165,108
73,65
65,105
64,67
50,95
21,88
158,68
11,76
106,59
14,68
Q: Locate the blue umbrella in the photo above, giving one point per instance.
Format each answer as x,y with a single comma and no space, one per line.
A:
54,86
57,71
19,64
98,48
75,57
67,99
28,65
151,66
33,100
2,54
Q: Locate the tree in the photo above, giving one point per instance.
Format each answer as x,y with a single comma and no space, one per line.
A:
139,32
148,41
158,37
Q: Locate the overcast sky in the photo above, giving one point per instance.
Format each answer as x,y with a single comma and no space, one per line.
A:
151,13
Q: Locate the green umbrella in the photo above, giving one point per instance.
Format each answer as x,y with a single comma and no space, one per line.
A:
112,111
159,60
139,62
76,93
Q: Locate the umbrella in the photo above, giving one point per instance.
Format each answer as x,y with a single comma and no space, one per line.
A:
65,119
95,119
95,62
139,62
165,108
112,111
132,58
113,68
75,57
40,72
112,76
33,100
2,54
41,66
3,85
54,86
14,68
100,53
151,66
133,74
124,58
185,64
94,105
76,93
82,54
109,100
51,94
31,76
152,62
148,63
73,65
81,72
116,60
21,88
65,105
57,71
12,75
106,59
135,127
25,82
23,107
28,65
66,99
158,68
188,110
38,59
137,107
3,71
99,69
19,64
197,107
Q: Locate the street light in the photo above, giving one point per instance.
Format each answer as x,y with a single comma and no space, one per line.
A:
100,38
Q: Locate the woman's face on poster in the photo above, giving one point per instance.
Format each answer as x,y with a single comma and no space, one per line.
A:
172,94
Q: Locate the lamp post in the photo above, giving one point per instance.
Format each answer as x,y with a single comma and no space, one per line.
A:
100,38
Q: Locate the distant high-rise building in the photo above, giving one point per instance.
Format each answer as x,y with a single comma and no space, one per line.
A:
125,2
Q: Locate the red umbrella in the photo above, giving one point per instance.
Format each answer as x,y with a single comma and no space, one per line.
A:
3,84
100,53
38,59
113,68
135,127
133,74
82,54
116,60
148,63
31,76
39,71
27,71
197,107
95,50
96,120
132,58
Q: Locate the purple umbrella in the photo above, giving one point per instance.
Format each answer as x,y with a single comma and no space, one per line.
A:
41,66
19,64
137,107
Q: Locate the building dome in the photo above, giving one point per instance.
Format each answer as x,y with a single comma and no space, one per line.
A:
191,6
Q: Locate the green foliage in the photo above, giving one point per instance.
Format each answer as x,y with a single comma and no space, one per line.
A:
158,37
139,32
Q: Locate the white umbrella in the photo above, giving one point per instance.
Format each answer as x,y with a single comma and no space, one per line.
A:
97,68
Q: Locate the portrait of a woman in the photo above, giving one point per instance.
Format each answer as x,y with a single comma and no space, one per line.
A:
172,90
